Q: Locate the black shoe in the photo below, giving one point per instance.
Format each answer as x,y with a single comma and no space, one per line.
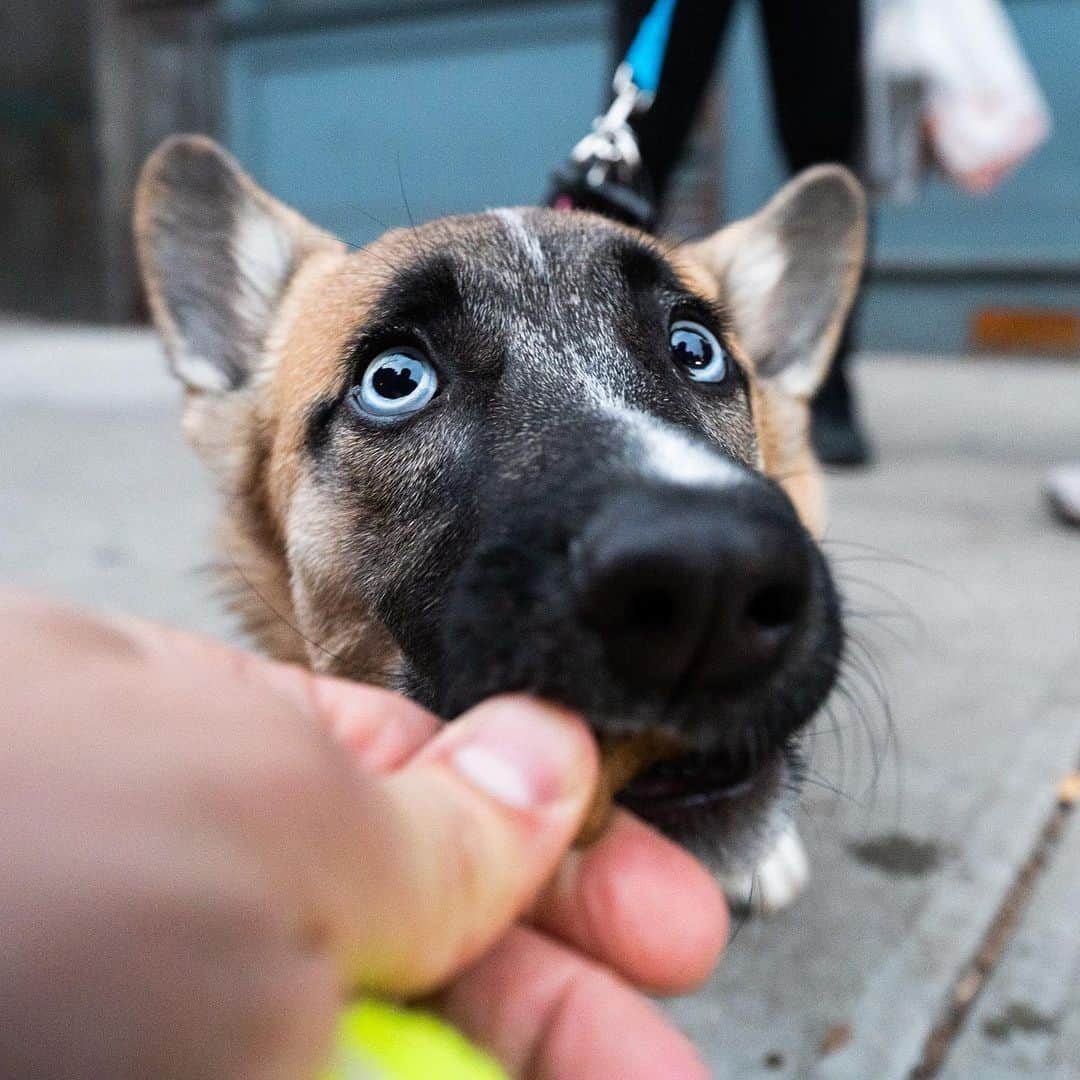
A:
835,430
837,437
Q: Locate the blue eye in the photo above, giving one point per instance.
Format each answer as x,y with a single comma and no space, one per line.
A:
396,383
696,349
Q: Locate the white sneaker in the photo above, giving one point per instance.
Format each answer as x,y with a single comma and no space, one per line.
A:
1062,488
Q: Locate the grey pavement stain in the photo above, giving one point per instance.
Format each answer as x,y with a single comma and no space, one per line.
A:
836,1038
1019,1017
898,855
108,556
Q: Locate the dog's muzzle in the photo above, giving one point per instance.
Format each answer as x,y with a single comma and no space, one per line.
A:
706,613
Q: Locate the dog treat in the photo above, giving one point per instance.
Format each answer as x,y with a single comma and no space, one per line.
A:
620,761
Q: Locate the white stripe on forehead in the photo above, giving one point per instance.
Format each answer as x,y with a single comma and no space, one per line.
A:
522,236
663,452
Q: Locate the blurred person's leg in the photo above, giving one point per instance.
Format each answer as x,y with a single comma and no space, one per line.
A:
816,67
815,61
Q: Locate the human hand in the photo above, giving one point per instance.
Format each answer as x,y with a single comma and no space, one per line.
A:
195,873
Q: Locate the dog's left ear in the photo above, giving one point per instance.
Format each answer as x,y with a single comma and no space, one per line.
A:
788,275
217,255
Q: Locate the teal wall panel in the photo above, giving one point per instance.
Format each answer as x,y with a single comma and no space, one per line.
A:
447,112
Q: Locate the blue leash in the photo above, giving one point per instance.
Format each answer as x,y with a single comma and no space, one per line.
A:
645,58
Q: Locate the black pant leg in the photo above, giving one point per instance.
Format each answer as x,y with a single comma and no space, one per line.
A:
815,63
693,48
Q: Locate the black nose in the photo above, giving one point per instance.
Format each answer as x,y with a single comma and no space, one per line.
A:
709,586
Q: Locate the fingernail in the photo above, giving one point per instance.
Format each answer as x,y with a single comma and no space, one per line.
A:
523,755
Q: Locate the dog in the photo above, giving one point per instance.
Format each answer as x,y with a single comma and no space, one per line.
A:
530,450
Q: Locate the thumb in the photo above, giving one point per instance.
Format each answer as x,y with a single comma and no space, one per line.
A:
466,834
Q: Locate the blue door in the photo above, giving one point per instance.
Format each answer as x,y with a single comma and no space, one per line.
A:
365,114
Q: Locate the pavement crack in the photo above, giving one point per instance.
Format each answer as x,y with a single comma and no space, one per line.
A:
971,980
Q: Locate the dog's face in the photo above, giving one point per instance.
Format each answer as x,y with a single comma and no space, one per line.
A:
525,450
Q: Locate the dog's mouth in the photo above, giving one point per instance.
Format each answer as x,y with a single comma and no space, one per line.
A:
725,746
695,781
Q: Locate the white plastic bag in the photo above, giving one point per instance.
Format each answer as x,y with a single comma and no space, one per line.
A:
948,77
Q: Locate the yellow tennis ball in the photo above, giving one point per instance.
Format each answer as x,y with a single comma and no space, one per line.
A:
379,1041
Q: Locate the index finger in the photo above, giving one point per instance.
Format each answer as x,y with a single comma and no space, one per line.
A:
379,729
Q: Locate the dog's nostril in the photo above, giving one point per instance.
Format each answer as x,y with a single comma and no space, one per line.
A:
651,609
647,605
776,606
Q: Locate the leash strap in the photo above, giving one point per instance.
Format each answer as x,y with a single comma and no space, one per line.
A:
605,171
645,58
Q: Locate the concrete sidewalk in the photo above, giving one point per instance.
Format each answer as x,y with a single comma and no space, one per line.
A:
965,610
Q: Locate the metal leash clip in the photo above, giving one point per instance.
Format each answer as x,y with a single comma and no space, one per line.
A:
612,143
605,172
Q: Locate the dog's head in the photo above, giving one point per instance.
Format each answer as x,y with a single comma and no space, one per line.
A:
525,450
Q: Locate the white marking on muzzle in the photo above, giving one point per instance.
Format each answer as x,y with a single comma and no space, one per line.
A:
665,453
523,237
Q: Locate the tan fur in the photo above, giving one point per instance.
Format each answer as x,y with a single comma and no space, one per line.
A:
318,622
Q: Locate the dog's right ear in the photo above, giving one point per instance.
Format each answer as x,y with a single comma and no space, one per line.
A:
789,275
217,254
